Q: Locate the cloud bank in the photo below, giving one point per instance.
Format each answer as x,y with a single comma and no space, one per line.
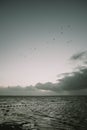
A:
74,82
70,83
82,56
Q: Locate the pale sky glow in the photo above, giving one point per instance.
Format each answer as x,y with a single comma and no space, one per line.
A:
38,38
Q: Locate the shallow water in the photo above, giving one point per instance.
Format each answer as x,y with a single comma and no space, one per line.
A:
43,113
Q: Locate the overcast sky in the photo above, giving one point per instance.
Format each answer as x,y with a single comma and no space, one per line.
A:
38,37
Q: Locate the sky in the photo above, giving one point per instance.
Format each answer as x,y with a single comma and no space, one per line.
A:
41,39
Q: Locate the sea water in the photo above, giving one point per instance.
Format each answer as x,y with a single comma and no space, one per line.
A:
43,113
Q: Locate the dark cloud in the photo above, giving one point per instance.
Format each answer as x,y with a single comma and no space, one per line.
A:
52,88
63,75
79,56
47,86
73,82
76,81
78,92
